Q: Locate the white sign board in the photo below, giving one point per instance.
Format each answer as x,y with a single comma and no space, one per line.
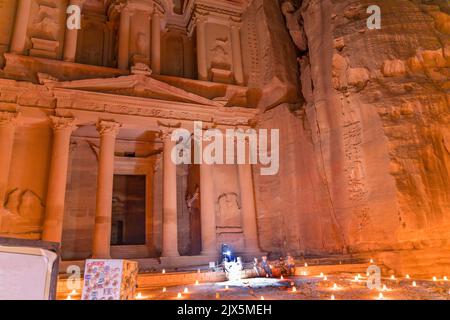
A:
109,280
25,273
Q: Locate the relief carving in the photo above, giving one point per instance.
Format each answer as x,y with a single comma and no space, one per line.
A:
24,213
229,211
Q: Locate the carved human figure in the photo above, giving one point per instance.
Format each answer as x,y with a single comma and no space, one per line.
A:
294,24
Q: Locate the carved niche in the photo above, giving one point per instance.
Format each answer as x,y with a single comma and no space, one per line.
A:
229,215
23,213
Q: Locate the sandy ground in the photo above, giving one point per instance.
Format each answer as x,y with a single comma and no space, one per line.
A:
339,287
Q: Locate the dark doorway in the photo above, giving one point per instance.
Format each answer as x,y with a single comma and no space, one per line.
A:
128,212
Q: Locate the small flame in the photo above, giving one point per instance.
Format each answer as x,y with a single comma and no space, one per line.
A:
179,296
139,296
414,284
333,297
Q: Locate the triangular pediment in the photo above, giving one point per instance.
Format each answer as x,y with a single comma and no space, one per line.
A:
136,86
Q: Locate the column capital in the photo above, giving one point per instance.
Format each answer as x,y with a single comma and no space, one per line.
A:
235,23
63,123
105,127
200,17
166,129
8,118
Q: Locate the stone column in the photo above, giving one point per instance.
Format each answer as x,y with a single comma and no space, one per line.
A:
237,54
71,38
170,219
208,213
124,39
56,191
18,40
8,122
201,49
156,43
248,208
108,131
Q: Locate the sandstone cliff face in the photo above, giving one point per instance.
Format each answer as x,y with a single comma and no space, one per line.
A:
377,110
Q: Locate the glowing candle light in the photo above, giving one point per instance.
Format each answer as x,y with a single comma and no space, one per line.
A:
198,270
179,296
281,278
294,289
197,283
333,297
356,278
414,284
227,288
321,274
407,276
267,275
380,296
164,289
186,290
434,279
325,278
371,260
163,271
139,296
306,264
74,292
292,283
445,278
384,287
367,274
392,277
335,286
69,297
262,298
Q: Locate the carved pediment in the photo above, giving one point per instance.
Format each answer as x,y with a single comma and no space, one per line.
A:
137,86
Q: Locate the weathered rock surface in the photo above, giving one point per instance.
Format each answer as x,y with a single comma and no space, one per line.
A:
374,138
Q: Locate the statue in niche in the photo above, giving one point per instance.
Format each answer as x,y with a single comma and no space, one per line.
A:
24,212
140,44
193,205
221,58
229,211
294,23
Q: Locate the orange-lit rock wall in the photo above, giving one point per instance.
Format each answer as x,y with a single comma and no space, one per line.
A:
371,156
